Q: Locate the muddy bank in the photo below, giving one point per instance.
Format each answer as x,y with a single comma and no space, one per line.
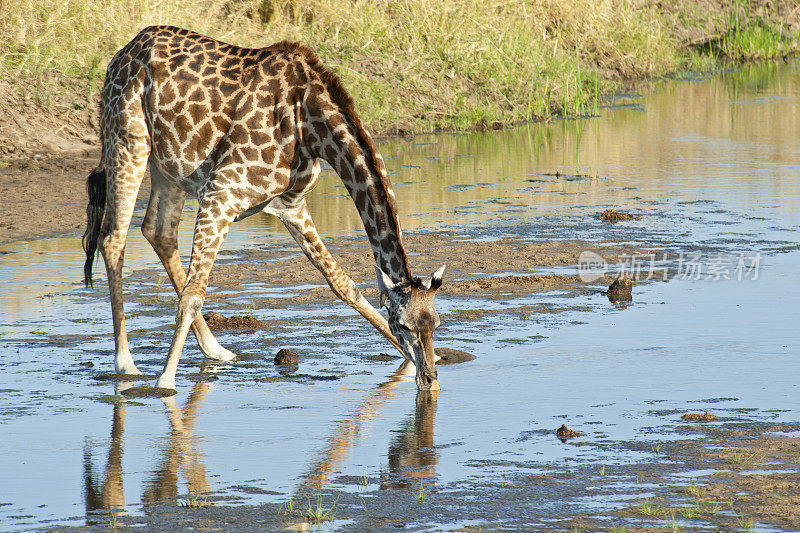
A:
46,196
474,268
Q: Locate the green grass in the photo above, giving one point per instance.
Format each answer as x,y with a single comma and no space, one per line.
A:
651,510
738,458
412,65
317,513
420,494
195,501
313,512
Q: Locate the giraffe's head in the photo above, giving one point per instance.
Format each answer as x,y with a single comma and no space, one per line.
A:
412,319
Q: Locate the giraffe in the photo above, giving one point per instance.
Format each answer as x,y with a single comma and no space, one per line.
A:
242,130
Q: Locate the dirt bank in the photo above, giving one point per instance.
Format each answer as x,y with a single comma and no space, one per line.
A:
46,196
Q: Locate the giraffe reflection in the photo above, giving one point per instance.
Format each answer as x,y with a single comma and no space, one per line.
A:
181,452
111,495
180,455
411,457
412,460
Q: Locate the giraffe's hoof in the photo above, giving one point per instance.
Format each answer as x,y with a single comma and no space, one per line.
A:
165,382
220,354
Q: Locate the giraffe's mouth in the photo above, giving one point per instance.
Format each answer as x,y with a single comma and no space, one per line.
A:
426,382
427,377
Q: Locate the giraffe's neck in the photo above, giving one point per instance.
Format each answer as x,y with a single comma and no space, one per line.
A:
351,152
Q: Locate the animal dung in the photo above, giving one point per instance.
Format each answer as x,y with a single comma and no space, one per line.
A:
610,215
620,290
286,357
565,433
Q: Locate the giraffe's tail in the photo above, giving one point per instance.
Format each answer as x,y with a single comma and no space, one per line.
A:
96,187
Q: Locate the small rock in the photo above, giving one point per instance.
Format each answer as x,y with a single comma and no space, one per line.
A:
565,433
697,417
286,357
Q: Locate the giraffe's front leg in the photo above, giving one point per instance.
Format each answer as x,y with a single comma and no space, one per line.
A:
160,228
213,222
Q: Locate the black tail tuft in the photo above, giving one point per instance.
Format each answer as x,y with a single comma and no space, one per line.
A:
96,187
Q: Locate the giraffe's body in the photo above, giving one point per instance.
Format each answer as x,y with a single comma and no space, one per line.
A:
242,130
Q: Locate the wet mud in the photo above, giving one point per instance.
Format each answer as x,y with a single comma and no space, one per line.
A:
217,322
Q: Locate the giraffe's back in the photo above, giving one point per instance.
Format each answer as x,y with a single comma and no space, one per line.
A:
202,103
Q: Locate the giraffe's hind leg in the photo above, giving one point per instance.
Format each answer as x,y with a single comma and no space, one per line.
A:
125,163
160,228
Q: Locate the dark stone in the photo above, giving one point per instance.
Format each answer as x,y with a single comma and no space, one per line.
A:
286,357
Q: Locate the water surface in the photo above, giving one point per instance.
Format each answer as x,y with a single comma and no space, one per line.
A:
713,165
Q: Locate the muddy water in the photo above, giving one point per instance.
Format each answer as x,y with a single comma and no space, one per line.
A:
713,167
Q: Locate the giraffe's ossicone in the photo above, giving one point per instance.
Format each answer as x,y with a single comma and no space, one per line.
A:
243,131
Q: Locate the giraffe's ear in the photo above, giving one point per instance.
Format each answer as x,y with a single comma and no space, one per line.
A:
385,284
435,281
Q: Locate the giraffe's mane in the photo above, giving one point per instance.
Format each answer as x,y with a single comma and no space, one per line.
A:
345,102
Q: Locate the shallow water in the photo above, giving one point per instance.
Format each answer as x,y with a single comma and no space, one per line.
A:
714,167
